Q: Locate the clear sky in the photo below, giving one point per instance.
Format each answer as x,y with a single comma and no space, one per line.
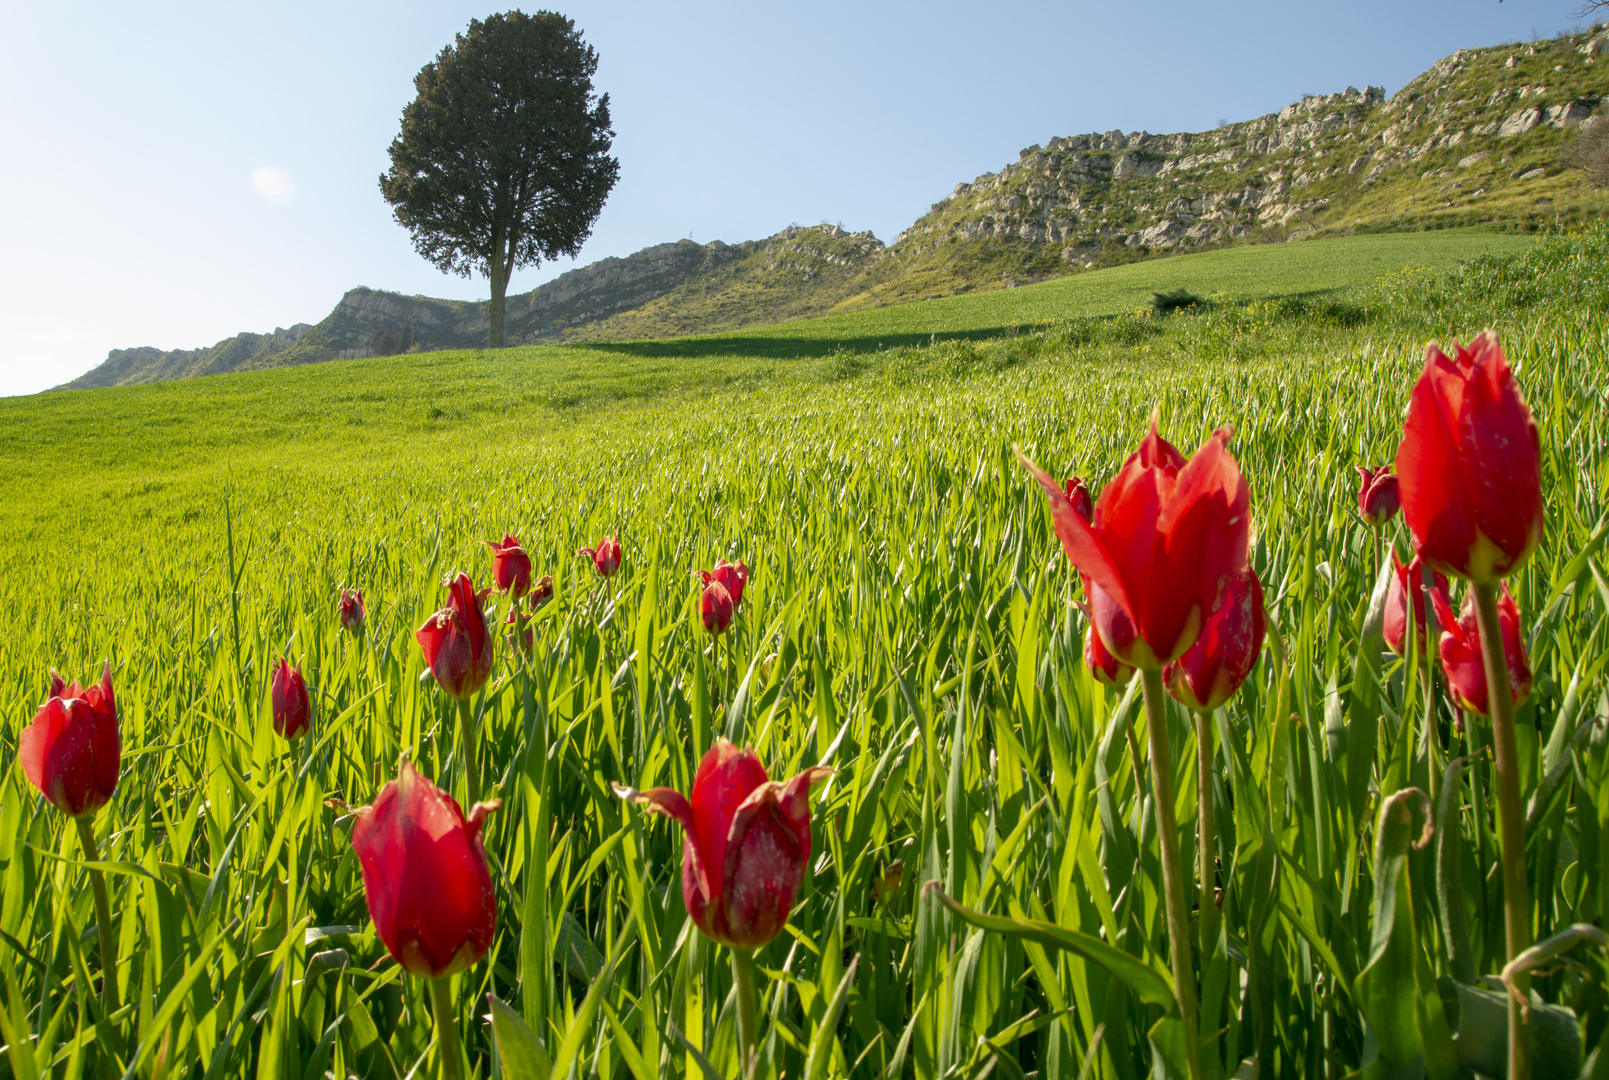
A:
172,173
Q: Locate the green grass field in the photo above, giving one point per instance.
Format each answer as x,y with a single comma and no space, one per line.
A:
908,623
1237,274
1240,273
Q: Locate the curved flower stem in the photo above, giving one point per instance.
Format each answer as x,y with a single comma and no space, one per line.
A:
466,722
1208,843
1510,821
441,1003
103,916
747,1000
1184,977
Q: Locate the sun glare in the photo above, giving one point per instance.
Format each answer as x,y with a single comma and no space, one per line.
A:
274,184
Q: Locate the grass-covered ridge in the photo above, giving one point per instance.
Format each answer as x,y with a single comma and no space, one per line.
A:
908,621
284,414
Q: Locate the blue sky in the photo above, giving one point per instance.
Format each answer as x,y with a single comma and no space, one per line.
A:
130,134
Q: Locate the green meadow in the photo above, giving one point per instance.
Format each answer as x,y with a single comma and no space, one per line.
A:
909,623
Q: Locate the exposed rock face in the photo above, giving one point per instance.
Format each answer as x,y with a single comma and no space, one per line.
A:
1521,122
145,364
1283,174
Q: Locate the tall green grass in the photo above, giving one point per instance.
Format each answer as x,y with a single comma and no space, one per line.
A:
908,622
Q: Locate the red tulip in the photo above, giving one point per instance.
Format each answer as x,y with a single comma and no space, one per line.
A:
425,875
1106,668
746,843
352,610
456,642
1077,493
1461,656
71,751
292,709
511,566
1405,581
605,557
1378,496
1212,669
734,576
1167,537
1470,465
541,594
716,607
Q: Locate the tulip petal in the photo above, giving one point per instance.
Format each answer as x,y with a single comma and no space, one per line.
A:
1207,522
1078,539
1428,469
1498,455
768,850
35,743
1449,622
425,876
725,778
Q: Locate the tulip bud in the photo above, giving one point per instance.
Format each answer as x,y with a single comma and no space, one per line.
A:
1378,496
511,566
71,752
715,607
352,611
605,557
425,875
1463,662
456,642
541,594
293,711
734,576
1078,497
1470,465
1212,669
1408,581
746,844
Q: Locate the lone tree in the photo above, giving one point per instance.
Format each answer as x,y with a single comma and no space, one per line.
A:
503,158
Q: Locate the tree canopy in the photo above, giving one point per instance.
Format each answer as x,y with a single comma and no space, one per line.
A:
503,157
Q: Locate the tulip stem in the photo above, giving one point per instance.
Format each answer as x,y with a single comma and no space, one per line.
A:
747,999
1184,978
466,721
1207,863
103,916
441,1001
1510,820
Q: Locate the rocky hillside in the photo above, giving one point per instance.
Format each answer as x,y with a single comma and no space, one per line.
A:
1483,136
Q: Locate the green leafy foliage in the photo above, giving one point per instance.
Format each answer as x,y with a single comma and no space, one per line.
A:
503,157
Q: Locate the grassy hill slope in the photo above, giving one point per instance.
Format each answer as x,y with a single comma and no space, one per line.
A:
1241,274
131,442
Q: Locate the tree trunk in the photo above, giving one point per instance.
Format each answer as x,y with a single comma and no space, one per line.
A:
501,258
